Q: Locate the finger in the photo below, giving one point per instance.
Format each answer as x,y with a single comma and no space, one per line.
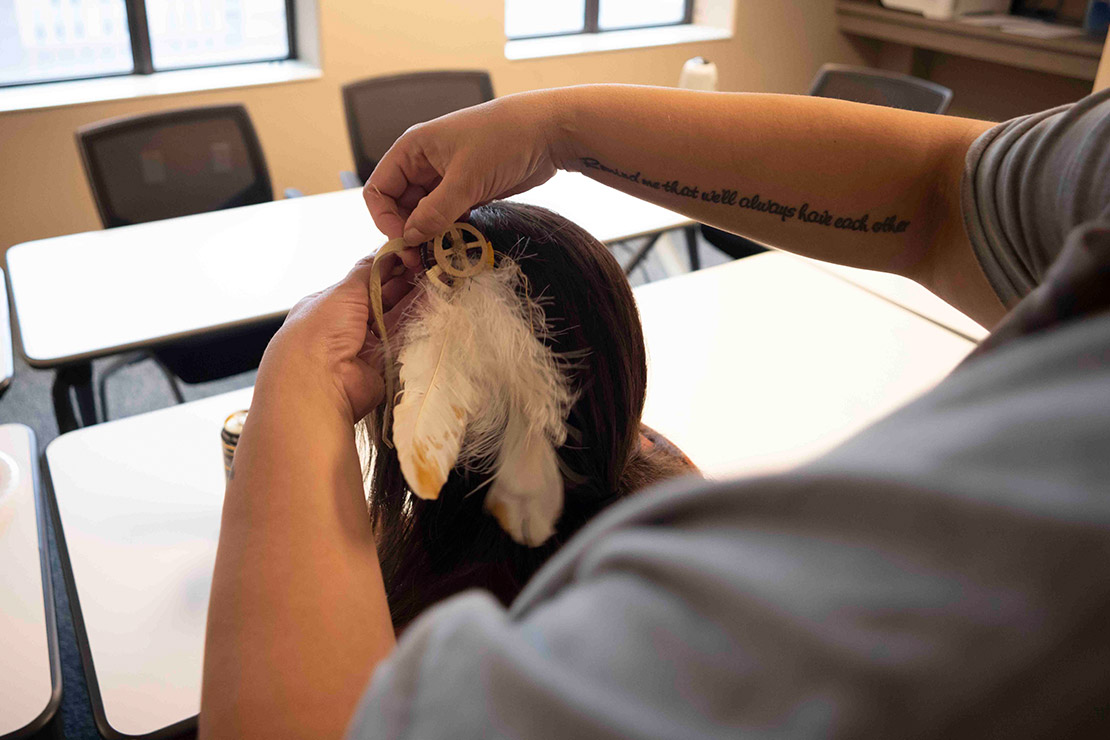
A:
397,315
363,384
409,199
383,209
398,262
396,289
389,262
394,317
356,285
439,209
411,258
402,166
360,273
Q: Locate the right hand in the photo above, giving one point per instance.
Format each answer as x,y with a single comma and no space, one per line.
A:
437,171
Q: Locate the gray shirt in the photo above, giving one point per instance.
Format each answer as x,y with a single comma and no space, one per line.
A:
1028,183
944,573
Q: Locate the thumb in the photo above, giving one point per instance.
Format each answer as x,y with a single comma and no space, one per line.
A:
364,386
437,210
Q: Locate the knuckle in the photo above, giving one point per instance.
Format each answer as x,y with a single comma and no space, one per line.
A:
304,303
432,219
414,130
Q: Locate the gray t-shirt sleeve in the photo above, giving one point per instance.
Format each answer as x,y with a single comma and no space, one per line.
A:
1028,182
944,574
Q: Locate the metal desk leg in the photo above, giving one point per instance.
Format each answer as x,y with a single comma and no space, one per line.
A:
74,406
639,256
692,247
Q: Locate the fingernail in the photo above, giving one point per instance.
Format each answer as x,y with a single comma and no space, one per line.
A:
412,237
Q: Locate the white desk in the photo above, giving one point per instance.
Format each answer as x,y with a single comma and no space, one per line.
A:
97,293
30,672
754,366
139,501
7,359
911,296
764,363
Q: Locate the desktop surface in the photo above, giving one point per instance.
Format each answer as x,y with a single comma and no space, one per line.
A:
754,367
135,286
30,677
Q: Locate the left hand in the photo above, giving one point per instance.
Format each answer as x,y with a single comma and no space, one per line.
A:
326,341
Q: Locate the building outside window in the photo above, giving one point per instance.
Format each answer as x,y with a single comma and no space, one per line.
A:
50,40
540,18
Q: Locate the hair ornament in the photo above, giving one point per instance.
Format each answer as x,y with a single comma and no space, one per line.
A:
474,387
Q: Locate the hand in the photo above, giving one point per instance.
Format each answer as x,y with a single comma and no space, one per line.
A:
436,171
326,341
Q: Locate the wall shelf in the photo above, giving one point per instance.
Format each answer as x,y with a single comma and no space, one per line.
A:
1076,57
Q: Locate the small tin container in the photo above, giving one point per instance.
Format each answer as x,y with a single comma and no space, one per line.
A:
229,438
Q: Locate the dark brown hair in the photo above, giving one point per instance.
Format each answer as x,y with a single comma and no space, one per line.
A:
432,549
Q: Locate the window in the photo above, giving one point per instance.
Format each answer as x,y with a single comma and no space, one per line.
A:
538,18
49,40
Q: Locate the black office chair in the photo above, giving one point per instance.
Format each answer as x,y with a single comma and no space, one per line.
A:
380,109
860,85
879,87
177,163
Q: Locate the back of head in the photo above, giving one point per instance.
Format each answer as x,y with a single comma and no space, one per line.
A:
432,549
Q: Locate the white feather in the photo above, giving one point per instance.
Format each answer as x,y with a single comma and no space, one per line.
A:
437,398
475,350
527,494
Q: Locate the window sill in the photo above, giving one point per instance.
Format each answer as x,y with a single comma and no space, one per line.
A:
77,92
558,46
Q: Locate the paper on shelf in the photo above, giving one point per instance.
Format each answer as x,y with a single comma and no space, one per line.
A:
1021,26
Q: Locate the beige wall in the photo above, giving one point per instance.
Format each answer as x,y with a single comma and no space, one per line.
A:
777,47
983,90
995,92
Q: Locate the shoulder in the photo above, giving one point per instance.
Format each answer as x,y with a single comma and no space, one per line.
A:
1028,182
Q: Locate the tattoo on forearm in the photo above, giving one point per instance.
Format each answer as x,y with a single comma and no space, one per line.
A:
805,212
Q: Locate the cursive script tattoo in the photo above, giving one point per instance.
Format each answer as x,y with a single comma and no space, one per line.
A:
805,212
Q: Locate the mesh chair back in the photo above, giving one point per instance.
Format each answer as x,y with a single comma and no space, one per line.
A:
380,109
162,165
878,87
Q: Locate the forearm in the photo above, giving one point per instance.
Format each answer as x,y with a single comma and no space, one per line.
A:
298,616
858,185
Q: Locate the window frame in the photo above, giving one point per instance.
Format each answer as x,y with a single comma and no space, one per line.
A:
591,26
142,59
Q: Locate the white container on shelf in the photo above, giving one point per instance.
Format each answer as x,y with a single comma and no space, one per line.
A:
946,10
698,74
